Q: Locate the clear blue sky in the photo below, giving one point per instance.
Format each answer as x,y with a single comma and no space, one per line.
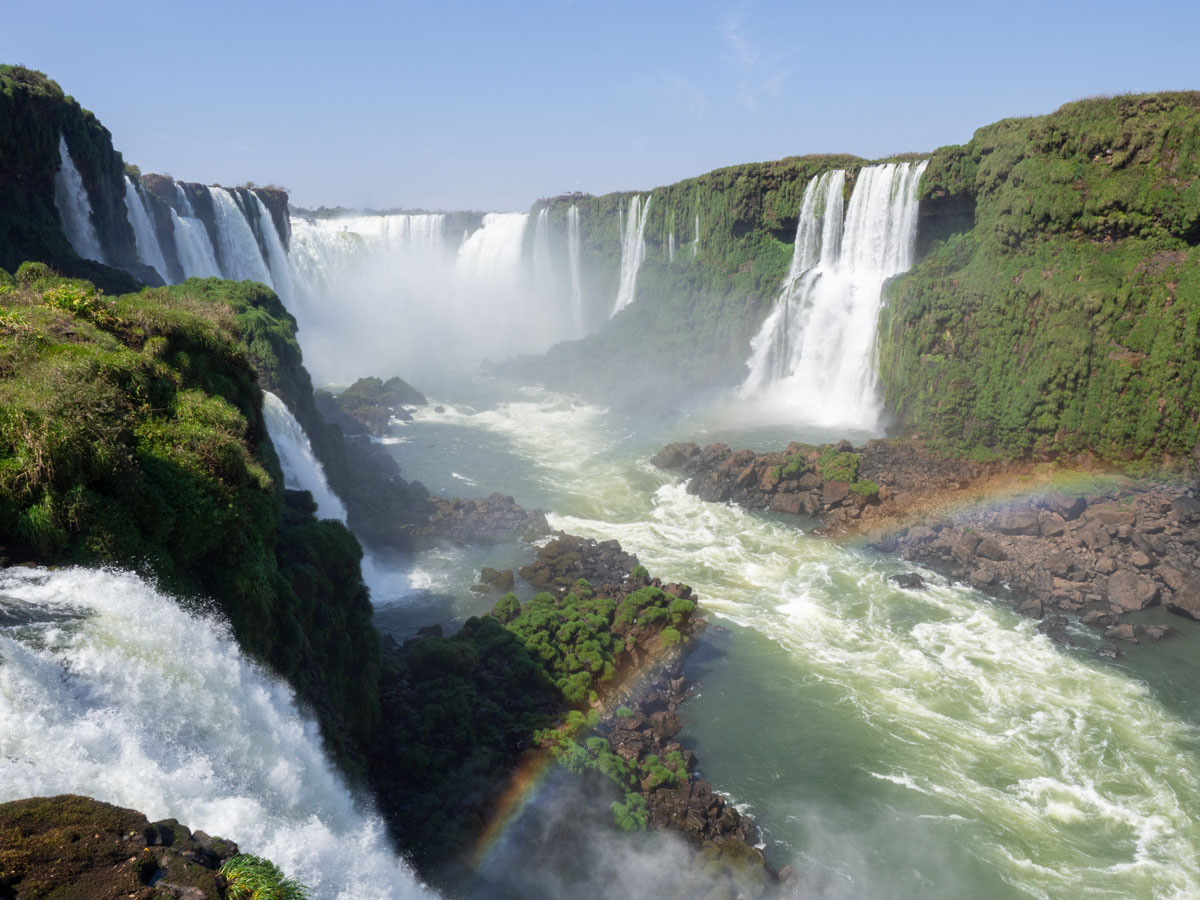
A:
491,105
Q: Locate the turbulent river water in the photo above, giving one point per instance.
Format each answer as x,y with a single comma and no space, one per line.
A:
891,743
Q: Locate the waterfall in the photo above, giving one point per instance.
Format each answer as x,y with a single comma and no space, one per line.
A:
74,207
671,246
696,238
573,251
276,256
492,255
144,235
814,355
241,258
543,263
301,469
109,689
194,248
633,252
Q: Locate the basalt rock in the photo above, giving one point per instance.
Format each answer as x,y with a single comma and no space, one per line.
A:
485,521
74,848
567,558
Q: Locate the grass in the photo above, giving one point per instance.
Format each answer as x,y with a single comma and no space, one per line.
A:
253,878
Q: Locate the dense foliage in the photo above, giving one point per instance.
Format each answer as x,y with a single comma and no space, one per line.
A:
1064,314
459,711
131,434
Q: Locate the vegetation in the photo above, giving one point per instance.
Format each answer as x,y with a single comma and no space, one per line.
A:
253,878
131,434
1059,311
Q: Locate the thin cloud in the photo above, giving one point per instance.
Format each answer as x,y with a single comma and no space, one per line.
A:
758,75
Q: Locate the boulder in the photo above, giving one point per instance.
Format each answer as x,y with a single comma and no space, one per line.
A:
793,504
675,456
989,548
1069,508
908,580
1122,632
1022,521
1108,650
834,492
1186,600
1110,514
1155,633
1130,590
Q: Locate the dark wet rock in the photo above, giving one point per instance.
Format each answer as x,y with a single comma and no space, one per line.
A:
1055,628
1032,608
485,521
75,848
1069,508
909,580
496,579
567,558
1108,650
1024,521
991,549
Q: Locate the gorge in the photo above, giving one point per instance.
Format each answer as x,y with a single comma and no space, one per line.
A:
1025,302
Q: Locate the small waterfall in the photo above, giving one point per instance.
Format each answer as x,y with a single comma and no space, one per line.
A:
573,251
633,252
544,279
109,689
671,246
696,238
301,469
144,235
74,207
276,255
814,355
194,248
241,259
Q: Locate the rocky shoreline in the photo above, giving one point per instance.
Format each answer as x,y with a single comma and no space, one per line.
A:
1103,552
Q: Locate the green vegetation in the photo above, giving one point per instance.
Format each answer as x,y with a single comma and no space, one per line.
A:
1058,310
34,112
131,434
835,465
253,878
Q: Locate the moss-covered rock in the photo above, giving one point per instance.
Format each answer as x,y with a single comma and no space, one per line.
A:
1058,308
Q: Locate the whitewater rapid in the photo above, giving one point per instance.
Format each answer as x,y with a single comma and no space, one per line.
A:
109,688
1049,773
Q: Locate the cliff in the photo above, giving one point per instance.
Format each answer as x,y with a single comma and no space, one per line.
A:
131,434
1057,308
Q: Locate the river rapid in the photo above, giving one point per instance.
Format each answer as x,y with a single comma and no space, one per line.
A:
891,743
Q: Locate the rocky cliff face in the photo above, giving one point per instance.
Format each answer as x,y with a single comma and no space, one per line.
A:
1056,309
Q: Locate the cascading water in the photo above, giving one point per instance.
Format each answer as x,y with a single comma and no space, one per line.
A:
144,234
633,252
74,207
276,255
241,258
671,247
194,248
544,279
109,689
301,469
696,238
813,359
573,254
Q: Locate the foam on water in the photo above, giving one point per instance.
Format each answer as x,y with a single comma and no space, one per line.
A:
138,703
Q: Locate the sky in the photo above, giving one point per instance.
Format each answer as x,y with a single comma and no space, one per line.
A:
492,105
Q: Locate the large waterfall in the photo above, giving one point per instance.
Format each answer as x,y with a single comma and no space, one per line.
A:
301,468
633,251
814,358
109,689
74,207
241,257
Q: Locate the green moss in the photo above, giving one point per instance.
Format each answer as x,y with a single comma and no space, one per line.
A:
1064,313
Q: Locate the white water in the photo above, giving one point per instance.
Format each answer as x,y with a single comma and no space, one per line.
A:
696,238
544,277
813,360
397,291
144,234
573,252
276,255
671,246
112,691
74,207
918,743
194,248
301,469
633,251
240,255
